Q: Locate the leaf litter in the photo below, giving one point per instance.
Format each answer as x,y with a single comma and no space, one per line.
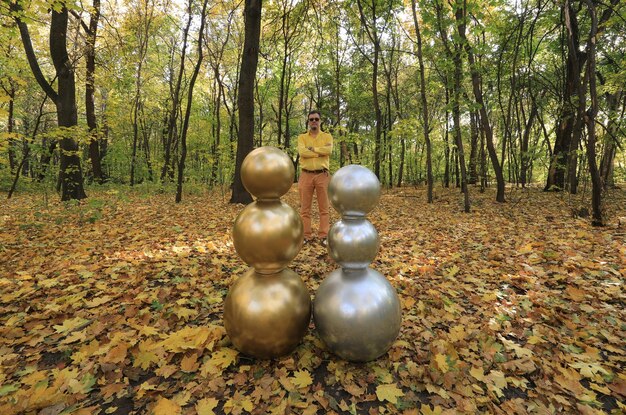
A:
114,306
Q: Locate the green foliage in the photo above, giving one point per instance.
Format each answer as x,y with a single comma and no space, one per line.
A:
320,55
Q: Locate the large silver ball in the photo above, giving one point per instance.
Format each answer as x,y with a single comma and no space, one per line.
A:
353,242
357,314
266,316
354,190
267,173
268,235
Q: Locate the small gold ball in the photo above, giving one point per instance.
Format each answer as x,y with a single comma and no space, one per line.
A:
268,235
267,316
267,173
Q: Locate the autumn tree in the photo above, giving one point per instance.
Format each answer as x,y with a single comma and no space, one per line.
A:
249,61
64,97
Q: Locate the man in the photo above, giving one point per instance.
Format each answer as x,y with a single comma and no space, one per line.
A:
314,148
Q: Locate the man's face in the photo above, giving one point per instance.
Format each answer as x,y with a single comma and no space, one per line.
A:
314,122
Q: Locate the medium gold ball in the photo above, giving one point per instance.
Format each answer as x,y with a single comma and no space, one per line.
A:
267,173
268,235
267,316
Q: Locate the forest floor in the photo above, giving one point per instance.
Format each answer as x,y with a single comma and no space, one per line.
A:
114,306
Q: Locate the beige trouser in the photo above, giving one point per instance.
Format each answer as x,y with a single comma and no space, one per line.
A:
309,183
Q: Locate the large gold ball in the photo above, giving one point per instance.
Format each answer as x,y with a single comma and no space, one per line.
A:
267,173
268,235
266,316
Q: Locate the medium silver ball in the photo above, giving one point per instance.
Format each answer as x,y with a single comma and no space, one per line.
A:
357,314
354,190
353,242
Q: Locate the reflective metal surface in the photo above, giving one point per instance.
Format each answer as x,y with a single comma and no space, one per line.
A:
354,190
267,173
268,235
266,316
353,243
357,314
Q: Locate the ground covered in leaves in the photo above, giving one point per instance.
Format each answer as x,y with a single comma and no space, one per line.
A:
114,306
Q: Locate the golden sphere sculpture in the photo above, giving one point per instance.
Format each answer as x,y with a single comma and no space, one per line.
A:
266,316
356,310
267,173
268,235
268,309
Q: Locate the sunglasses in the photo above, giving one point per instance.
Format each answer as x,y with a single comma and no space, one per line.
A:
314,119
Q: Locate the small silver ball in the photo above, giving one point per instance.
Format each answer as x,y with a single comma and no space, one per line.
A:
357,314
353,242
354,190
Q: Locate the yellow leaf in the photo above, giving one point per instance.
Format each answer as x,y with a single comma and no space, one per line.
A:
116,354
457,333
166,407
407,302
442,362
184,313
190,338
496,381
575,293
224,357
600,388
205,406
425,410
77,336
382,375
247,405
302,379
526,249
166,371
71,324
97,301
519,350
388,393
489,297
189,363
145,359
439,391
535,340
477,373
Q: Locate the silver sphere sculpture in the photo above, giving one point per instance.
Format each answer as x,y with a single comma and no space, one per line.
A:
354,190
353,243
356,310
357,314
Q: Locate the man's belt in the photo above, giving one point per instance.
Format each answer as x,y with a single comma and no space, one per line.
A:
315,171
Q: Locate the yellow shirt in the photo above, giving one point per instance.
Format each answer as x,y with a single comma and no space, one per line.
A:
322,146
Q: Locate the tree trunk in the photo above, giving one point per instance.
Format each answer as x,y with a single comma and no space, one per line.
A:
478,95
90,108
374,37
192,82
168,166
473,158
249,61
70,174
596,180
